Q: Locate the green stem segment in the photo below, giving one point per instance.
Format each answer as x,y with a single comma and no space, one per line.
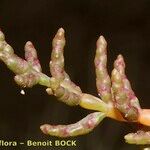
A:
83,126
103,82
139,138
124,97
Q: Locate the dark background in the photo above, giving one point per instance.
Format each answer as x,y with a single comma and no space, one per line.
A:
126,27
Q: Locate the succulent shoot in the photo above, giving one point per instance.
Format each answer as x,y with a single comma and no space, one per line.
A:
116,98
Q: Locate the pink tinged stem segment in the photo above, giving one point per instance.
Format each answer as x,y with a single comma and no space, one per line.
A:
13,62
65,95
139,138
124,97
57,58
103,82
66,90
31,56
83,126
57,61
31,77
27,72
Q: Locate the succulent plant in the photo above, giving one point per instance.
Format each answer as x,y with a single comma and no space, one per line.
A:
116,98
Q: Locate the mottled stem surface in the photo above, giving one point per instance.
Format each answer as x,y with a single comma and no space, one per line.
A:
103,82
83,126
124,97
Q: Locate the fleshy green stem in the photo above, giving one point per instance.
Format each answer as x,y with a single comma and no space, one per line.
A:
83,126
140,138
124,97
103,82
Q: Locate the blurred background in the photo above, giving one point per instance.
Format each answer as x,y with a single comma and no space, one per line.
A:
126,27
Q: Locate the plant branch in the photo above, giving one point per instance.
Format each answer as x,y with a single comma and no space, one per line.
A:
118,100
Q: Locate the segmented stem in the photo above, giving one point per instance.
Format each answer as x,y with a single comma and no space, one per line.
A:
103,82
83,126
139,138
124,97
